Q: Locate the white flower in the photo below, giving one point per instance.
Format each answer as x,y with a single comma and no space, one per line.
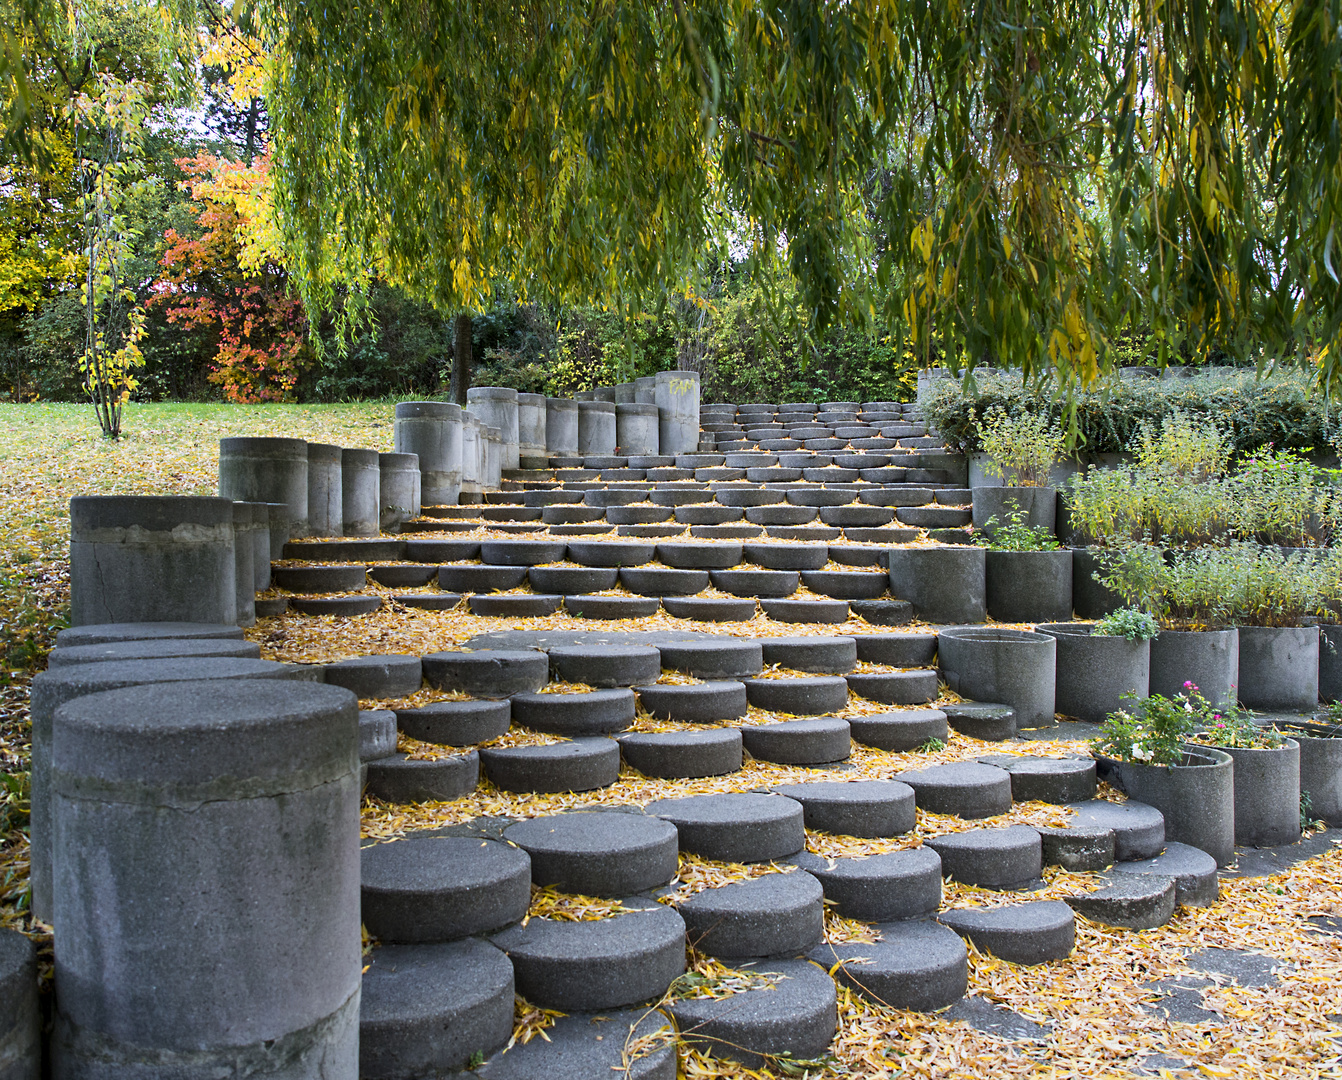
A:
1141,753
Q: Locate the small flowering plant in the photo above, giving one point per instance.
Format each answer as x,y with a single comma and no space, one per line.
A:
1153,730
1232,726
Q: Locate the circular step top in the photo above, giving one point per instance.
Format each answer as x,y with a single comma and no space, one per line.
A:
709,608
799,742
818,496
916,965
521,552
107,633
1134,901
477,578
787,556
730,827
153,649
429,1008
571,580
600,963
409,576
434,601
610,553
441,551
596,712
882,612
896,687
515,605
823,655
907,729
582,1047
377,734
1029,933
341,606
847,584
694,703
1009,858
488,673
1193,870
1081,847
855,808
796,1016
440,888
764,583
814,696
328,577
778,914
663,581
1050,780
605,665
456,723
576,765
610,607
691,556
857,554
982,720
376,676
895,885
965,789
806,611
598,853
399,779
716,657
682,755
1139,829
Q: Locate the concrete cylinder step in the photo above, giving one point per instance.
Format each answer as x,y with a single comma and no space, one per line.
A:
732,827
675,755
1193,871
399,779
671,529
1029,933
823,655
567,580
598,853
480,578
1133,901
805,533
895,885
597,964
764,583
488,673
637,515
514,605
982,720
377,734
606,553
326,578
709,609
779,914
434,601
749,497
857,517
153,649
577,765
817,497
611,607
920,966
897,650
858,555
1051,780
964,789
605,665
441,888
820,741
706,556
428,1009
708,514
345,550
900,732
680,496
581,1047
108,633
1009,858
855,808
695,703
407,576
1077,849
608,497
726,532
596,712
441,551
663,581
847,584
717,657
781,515
521,552
341,606
895,687
814,696
1139,829
806,611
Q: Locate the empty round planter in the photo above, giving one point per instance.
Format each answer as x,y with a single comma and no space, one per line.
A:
1028,586
1090,599
1279,667
1330,662
1094,672
1209,659
1039,505
945,584
1267,795
1197,797
1011,667
1321,771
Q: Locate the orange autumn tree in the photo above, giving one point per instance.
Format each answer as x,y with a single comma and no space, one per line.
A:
230,282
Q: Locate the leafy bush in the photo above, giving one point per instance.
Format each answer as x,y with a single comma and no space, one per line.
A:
1023,447
1127,623
1016,535
1234,727
1152,730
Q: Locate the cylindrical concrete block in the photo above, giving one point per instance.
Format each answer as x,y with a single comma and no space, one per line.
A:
1010,667
152,558
645,390
561,426
637,429
1330,662
492,441
497,407
360,492
945,584
1321,773
398,490
1093,672
20,1020
584,395
1028,586
1209,659
260,537
677,397
596,428
326,515
531,418
471,456
1197,798
432,429
279,533
604,393
244,560
1036,507
207,882
624,393
1267,794
270,471
1279,667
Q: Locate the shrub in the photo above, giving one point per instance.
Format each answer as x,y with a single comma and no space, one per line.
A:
1152,730
1016,535
1127,623
1022,447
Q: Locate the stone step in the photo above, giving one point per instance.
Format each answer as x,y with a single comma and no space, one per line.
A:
488,673
963,789
822,655
709,609
582,764
522,552
1010,858
611,607
772,584
435,601
345,550
596,712
1139,830
699,556
1085,847
404,575
713,658
324,578
897,687
377,676
568,580
675,755
608,553
1051,780
694,703
480,577
920,966
663,581
441,551
583,1047
854,808
988,721
894,885
787,556
901,731
400,779
1028,933
598,853
1133,901
456,723
814,696
897,650
514,605
847,584
820,741
377,734
780,914
605,665
806,611
732,827
153,649
1193,871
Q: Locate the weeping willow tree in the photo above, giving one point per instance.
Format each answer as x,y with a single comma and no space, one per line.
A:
1012,180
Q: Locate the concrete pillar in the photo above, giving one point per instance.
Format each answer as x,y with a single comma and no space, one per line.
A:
432,429
245,527
531,416
604,393
678,403
20,1020
152,558
360,491
270,471
561,426
584,395
206,897
398,490
596,428
472,450
325,513
645,390
497,407
636,429
624,393
493,457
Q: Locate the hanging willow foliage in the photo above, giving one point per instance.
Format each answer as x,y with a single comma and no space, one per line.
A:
1017,180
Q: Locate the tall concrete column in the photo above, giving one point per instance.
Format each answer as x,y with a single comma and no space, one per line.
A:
244,561
636,429
360,491
645,390
596,428
270,471
472,451
497,407
206,903
604,393
561,426
624,393
20,1017
677,394
398,490
325,510
531,415
492,441
260,536
279,532
432,429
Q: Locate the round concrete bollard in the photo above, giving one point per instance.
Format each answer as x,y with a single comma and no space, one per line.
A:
260,537
244,562
360,492
207,881
472,457
1279,667
531,415
398,490
1094,671
604,393
280,532
645,390
676,394
1209,659
492,440
152,558
945,584
325,514
1013,667
561,426
432,429
270,471
496,406
20,1020
624,393
637,429
596,428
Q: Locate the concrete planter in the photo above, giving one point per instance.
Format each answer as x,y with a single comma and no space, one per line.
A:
1093,673
1267,795
1012,667
1090,599
1321,770
944,584
1279,667
1029,586
1209,659
1330,662
1038,504
1197,797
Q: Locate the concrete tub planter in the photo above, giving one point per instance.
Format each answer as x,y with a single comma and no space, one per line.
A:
1209,659
945,584
1197,797
1038,504
1028,586
1013,667
1321,770
1330,662
1267,794
1279,667
1090,599
1094,671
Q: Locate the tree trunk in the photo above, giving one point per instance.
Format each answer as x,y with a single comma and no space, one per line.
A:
462,360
